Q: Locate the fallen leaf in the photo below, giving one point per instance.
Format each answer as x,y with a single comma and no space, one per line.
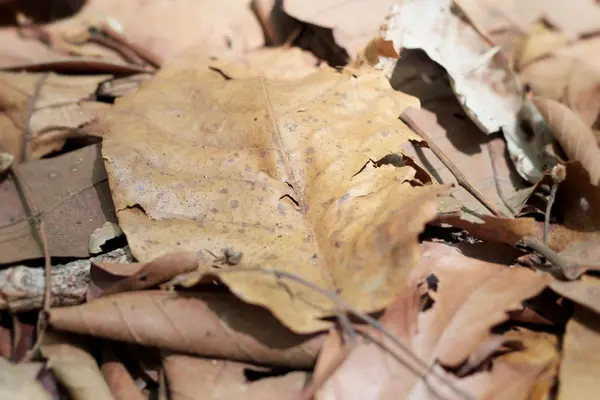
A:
211,26
75,367
16,383
222,326
571,76
282,62
70,193
40,111
118,379
353,22
585,291
541,41
579,366
152,273
200,378
297,175
575,137
481,77
573,20
474,290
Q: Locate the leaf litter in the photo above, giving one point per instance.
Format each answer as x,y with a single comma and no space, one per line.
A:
293,232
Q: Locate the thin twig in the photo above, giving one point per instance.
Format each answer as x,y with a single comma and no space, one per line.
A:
39,230
348,308
567,269
460,177
149,56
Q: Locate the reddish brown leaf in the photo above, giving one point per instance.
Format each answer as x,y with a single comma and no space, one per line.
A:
472,296
221,326
149,274
200,378
575,137
117,377
72,195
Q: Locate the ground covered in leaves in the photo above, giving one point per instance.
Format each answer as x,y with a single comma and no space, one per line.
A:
301,199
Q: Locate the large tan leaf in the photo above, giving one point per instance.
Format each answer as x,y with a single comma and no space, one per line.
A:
287,172
47,109
472,295
580,364
210,324
200,378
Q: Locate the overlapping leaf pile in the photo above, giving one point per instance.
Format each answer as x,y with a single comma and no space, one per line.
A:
221,219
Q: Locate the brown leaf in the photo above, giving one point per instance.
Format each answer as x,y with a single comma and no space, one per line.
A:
574,136
17,383
570,76
222,326
48,108
72,195
166,29
353,22
296,175
472,296
200,378
117,377
75,367
580,366
585,291
149,274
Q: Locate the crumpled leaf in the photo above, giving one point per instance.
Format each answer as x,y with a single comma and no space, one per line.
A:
353,22
227,380
580,364
163,27
222,326
75,367
575,137
118,379
149,274
70,192
297,175
481,76
474,291
61,106
16,383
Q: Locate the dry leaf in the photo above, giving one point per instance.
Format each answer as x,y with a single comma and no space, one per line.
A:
570,76
166,28
282,62
353,22
472,296
541,41
297,175
100,236
46,109
222,326
481,76
585,291
119,380
192,378
575,137
72,195
152,273
580,365
75,367
16,383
